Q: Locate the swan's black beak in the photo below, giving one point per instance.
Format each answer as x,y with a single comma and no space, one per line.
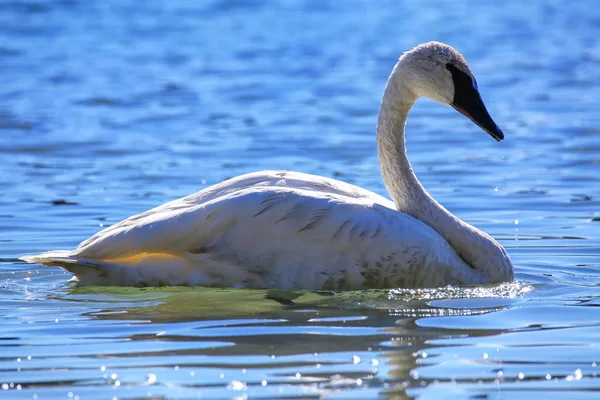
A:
468,102
475,110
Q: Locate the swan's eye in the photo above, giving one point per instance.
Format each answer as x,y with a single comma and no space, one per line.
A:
463,82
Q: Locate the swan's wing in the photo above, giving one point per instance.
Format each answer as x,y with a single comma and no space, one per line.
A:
185,212
183,226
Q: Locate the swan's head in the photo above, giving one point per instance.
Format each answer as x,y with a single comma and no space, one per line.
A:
437,71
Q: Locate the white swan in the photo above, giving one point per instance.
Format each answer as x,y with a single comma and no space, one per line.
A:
279,229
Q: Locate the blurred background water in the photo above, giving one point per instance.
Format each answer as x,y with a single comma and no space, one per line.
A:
108,108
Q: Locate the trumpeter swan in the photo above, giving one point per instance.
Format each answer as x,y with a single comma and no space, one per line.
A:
280,229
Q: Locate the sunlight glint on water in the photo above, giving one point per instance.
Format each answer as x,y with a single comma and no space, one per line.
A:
110,108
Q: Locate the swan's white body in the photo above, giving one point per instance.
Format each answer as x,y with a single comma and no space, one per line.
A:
279,229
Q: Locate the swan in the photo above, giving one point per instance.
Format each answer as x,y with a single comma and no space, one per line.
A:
291,230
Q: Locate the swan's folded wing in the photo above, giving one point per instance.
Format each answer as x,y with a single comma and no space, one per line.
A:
166,230
264,218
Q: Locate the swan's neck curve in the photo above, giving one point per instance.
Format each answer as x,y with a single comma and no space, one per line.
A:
475,247
400,180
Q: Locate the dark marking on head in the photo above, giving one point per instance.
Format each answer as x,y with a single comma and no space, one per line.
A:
468,102
465,87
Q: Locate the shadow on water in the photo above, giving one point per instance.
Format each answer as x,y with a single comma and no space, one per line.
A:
177,304
295,339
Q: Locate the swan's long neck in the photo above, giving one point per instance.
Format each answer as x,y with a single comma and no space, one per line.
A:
473,246
400,180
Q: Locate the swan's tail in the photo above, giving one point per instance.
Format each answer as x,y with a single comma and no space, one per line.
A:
142,270
87,272
50,258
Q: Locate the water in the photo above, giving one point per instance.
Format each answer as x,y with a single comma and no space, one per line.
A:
110,108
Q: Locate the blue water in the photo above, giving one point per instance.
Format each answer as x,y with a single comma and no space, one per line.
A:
108,108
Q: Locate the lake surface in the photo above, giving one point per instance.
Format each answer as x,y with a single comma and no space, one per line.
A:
109,108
